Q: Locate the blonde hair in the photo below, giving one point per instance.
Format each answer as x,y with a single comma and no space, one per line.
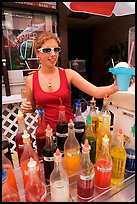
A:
43,37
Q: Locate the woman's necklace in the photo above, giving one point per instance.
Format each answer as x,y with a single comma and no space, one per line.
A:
49,83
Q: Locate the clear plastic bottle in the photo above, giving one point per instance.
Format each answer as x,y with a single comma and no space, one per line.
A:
103,167
71,150
94,116
48,153
40,132
130,151
59,180
61,129
7,165
103,129
104,108
118,154
91,138
25,157
79,123
85,175
20,131
9,194
35,189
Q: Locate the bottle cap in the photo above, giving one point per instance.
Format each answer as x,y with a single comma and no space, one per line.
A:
105,138
70,124
48,131
89,120
25,135
120,133
57,155
32,163
3,175
86,147
20,114
78,103
133,129
105,115
61,108
41,111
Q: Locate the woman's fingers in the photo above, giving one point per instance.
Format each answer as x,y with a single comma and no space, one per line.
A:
26,106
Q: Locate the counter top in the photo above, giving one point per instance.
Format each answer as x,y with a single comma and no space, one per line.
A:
12,99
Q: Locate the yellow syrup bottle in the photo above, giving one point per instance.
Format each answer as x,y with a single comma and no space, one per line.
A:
118,154
93,114
104,108
71,151
103,129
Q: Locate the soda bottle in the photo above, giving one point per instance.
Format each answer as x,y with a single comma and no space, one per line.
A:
40,132
7,165
103,167
118,154
35,189
25,157
9,194
104,108
71,150
94,116
79,123
20,131
59,181
85,175
61,129
48,153
91,138
103,129
130,151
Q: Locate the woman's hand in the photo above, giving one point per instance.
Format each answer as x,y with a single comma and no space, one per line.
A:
26,107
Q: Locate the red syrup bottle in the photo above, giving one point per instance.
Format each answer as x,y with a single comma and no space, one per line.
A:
20,132
85,175
41,132
35,189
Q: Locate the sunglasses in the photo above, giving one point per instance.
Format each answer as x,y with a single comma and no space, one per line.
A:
48,50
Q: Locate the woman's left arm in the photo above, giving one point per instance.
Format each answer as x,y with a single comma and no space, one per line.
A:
98,92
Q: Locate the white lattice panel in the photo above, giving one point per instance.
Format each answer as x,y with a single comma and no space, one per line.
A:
10,124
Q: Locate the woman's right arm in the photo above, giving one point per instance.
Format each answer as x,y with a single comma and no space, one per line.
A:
29,105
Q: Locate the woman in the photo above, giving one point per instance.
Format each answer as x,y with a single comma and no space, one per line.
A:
51,84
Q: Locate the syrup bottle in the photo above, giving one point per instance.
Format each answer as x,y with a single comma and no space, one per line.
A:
35,189
94,116
20,131
71,150
7,165
85,175
105,108
79,123
59,181
40,132
48,153
25,157
91,138
103,129
118,154
103,167
9,194
61,128
6,148
130,151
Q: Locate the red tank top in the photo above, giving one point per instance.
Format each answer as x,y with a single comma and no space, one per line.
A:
50,100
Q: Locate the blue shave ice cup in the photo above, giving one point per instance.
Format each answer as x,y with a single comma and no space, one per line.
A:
123,76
